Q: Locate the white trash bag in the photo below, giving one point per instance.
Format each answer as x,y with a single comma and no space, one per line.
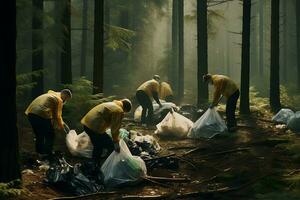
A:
79,145
283,116
294,122
120,168
174,124
208,125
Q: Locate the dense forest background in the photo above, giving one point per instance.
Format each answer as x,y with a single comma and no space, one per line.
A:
56,47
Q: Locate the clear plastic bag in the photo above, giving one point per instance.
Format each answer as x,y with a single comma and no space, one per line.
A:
283,116
294,122
174,124
122,167
79,145
208,125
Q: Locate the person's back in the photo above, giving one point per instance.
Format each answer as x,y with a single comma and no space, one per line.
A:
44,105
223,85
99,118
165,91
149,87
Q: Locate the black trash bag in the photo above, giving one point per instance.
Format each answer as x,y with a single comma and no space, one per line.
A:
82,178
164,162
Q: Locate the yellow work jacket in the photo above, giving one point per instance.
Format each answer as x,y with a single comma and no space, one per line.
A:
104,116
165,90
149,87
48,106
223,86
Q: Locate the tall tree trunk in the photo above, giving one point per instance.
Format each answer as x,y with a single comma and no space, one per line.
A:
245,68
66,60
37,47
9,152
261,38
57,12
202,51
298,42
84,37
284,48
253,45
274,73
228,54
98,46
181,50
174,58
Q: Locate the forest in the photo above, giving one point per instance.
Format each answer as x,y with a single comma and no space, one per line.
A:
230,129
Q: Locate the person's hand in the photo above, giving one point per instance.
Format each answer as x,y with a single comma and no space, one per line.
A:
211,106
117,147
66,128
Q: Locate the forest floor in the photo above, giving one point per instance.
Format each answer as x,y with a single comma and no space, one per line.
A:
259,161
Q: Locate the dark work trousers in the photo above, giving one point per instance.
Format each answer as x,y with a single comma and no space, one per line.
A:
100,142
230,109
146,104
44,133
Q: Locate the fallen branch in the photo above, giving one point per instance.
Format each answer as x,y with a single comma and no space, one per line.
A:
184,147
166,156
155,182
228,151
193,150
187,161
166,179
151,197
84,196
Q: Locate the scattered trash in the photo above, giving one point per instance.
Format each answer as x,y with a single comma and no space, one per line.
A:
174,124
162,162
122,167
283,116
158,112
294,122
79,179
79,145
191,112
209,125
27,171
281,126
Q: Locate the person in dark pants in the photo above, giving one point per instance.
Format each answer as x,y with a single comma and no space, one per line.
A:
226,87
144,95
42,113
99,119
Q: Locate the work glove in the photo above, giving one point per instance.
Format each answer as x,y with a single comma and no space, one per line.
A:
117,147
66,128
211,106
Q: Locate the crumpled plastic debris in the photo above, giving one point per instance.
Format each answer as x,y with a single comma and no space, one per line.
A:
283,116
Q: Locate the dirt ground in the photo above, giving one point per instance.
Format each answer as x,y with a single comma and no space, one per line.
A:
258,161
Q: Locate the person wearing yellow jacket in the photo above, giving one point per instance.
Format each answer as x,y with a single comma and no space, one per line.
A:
224,86
144,94
99,119
166,92
42,113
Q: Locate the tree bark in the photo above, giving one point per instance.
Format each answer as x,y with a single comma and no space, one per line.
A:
37,48
175,44
181,50
274,72
9,152
298,42
283,66
261,38
245,68
66,60
84,37
202,51
98,46
253,42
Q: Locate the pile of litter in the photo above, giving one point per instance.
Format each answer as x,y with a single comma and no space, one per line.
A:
82,178
288,117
